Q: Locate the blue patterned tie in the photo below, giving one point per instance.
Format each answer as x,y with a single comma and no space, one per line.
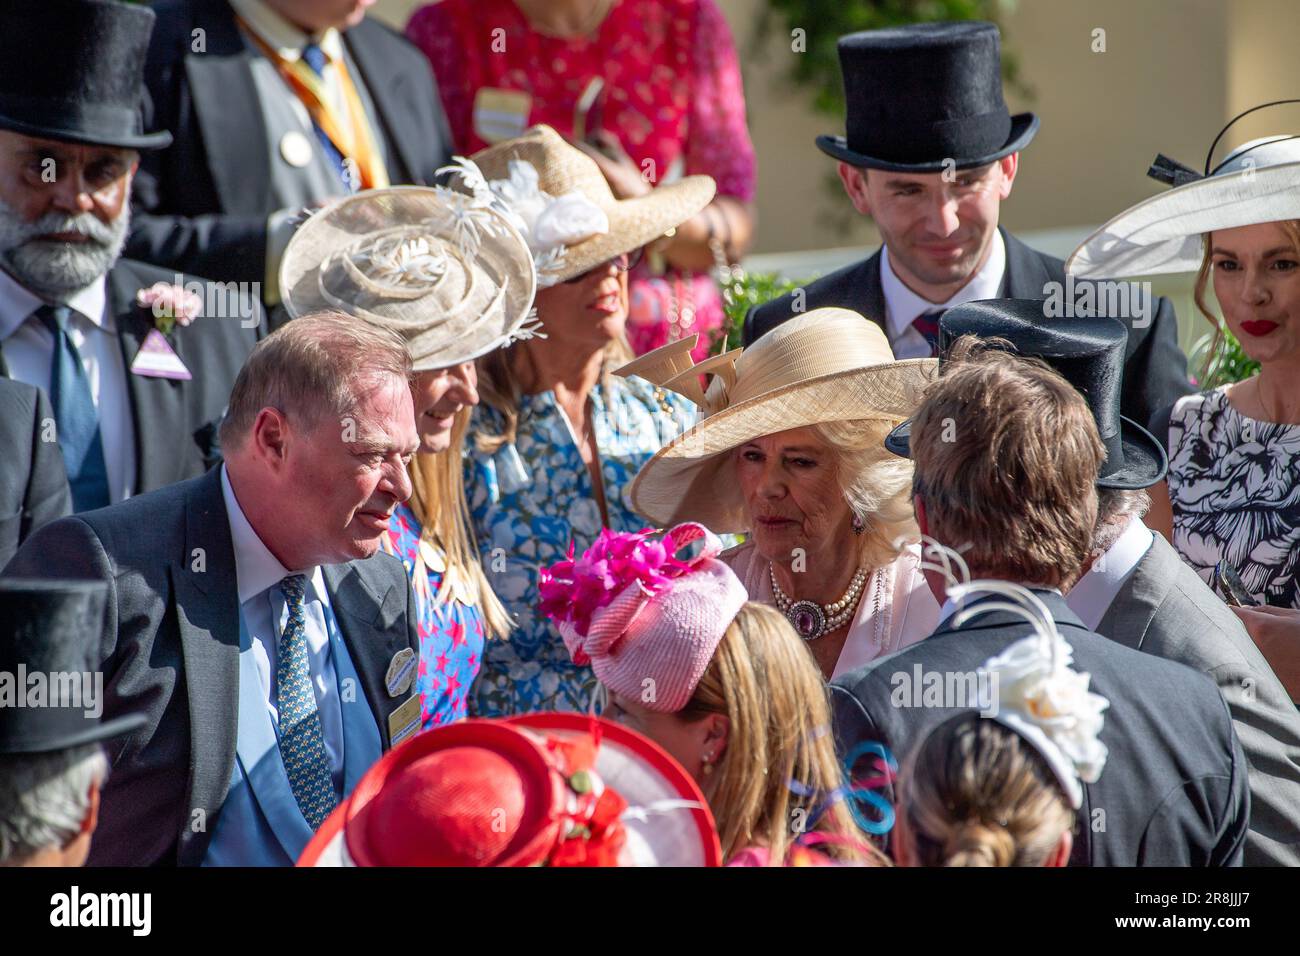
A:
315,58
302,742
927,323
75,417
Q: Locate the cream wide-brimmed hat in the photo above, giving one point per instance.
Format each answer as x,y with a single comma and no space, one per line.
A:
448,272
1258,182
828,365
566,210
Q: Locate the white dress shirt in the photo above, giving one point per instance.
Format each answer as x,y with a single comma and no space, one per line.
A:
29,351
903,306
261,602
1092,596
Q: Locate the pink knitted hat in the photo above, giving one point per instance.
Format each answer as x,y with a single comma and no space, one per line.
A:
647,621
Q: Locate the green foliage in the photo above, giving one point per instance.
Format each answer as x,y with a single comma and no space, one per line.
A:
741,294
825,21
1226,363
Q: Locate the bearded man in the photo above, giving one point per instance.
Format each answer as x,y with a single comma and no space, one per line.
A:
138,362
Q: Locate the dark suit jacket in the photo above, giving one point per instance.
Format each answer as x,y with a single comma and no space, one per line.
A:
201,205
170,650
176,421
1165,609
1155,369
1174,789
33,484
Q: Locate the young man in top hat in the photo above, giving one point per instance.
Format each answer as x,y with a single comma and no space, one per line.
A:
136,392
284,104
1135,589
930,155
52,764
1174,791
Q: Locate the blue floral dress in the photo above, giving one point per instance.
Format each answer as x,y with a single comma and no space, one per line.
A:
451,636
528,501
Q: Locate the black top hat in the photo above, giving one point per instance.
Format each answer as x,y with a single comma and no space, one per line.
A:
1088,353
73,70
922,94
49,642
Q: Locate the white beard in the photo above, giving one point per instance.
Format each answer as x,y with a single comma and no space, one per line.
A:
58,270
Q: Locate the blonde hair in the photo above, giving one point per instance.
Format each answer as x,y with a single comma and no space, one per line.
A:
765,681
975,793
1007,455
438,502
1292,229
312,367
499,376
876,484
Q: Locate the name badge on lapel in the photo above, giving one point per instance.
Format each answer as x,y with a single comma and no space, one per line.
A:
157,359
401,672
500,114
404,722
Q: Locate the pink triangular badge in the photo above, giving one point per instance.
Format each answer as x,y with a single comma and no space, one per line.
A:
156,359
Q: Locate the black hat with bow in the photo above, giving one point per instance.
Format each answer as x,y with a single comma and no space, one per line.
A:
1086,352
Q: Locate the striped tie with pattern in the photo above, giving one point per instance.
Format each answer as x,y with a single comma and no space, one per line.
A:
302,742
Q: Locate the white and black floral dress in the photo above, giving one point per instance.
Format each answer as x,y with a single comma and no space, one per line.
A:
1234,483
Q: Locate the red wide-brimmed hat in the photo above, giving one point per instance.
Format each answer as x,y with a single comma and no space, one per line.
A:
539,790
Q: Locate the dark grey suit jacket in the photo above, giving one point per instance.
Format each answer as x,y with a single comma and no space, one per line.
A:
1165,609
1155,369
176,421
170,650
33,484
1174,789
201,205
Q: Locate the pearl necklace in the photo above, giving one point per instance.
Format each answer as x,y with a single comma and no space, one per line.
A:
812,620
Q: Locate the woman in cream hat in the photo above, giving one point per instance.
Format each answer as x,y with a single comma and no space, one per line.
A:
557,439
791,454
457,281
1232,494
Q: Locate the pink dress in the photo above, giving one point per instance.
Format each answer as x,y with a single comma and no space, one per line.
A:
672,94
897,607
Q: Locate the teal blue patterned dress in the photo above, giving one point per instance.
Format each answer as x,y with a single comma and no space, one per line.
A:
528,501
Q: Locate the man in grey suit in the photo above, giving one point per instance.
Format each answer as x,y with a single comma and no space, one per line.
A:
33,484
250,617
1136,590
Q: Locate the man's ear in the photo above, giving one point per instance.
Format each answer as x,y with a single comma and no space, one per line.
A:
855,184
268,441
91,819
918,505
1060,856
1009,164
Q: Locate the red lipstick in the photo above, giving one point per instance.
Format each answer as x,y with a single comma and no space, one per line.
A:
1258,327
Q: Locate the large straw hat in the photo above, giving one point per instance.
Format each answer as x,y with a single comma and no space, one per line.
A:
448,272
1258,182
828,365
545,181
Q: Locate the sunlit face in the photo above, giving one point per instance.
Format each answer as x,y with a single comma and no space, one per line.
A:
63,210
790,484
439,395
588,312
687,742
1256,273
344,479
938,232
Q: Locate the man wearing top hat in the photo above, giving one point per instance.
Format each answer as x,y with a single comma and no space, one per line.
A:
1136,590
284,104
930,155
52,761
136,392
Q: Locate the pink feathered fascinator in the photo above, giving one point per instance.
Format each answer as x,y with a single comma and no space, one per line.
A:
647,621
